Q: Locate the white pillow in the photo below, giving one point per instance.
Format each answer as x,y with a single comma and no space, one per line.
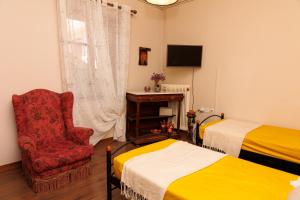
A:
295,194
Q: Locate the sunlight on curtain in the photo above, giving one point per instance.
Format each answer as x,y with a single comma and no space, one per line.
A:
95,55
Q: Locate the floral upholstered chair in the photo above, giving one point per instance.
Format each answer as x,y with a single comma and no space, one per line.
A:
54,152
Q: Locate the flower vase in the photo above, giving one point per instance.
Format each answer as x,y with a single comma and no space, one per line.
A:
157,87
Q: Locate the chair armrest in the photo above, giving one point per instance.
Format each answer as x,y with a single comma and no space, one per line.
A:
80,135
27,144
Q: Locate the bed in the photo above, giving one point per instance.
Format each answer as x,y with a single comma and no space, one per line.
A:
229,178
268,145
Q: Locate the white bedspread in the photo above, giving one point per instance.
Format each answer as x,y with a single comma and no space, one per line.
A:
295,194
228,135
296,183
148,176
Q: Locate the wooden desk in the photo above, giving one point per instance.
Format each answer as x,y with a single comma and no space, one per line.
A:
143,115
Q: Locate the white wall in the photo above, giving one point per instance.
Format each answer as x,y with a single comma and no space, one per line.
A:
29,55
252,51
147,31
29,59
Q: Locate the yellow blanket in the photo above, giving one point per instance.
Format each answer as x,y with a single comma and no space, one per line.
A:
230,178
282,143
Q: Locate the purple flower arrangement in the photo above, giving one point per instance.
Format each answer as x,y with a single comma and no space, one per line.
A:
156,77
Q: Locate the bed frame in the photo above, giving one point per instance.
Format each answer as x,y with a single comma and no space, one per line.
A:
276,163
111,180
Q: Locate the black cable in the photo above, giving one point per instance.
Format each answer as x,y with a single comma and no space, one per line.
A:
193,97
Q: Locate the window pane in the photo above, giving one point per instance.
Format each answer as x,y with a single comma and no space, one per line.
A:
77,31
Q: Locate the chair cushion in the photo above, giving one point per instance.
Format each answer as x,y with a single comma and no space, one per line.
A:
59,153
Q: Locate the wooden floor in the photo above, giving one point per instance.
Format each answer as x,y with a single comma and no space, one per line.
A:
13,185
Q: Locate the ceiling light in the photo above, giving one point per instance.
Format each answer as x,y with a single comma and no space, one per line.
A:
162,2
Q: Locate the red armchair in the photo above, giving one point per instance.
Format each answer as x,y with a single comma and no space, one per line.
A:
54,152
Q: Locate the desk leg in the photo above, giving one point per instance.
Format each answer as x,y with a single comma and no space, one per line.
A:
128,131
178,116
137,125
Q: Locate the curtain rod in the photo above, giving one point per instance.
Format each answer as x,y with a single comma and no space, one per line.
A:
133,12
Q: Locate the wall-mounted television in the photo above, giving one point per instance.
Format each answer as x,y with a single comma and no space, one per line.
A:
184,56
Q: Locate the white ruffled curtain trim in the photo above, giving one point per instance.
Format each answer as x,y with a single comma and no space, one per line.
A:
95,55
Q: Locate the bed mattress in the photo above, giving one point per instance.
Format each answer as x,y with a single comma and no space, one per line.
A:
281,143
229,178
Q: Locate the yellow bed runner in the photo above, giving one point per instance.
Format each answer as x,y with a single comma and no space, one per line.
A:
281,143
230,178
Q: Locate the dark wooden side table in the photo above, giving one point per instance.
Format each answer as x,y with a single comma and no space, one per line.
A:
143,115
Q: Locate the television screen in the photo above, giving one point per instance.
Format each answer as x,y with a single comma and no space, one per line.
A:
184,56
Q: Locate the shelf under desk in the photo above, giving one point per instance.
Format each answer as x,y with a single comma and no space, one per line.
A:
143,113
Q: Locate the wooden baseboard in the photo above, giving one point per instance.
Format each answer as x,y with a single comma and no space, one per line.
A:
10,166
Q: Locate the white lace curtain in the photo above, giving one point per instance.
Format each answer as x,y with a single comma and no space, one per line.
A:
95,52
